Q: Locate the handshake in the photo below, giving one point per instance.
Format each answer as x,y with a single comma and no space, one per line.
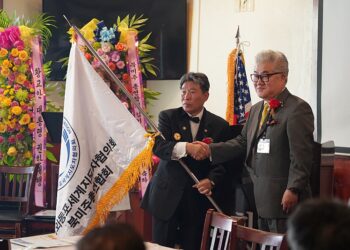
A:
198,150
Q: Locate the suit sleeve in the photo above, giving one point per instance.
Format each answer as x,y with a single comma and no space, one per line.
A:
219,171
226,151
163,148
300,127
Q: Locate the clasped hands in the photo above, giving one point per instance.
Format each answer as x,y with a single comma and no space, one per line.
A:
198,150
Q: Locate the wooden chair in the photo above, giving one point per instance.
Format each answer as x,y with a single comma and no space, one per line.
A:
16,190
244,238
217,230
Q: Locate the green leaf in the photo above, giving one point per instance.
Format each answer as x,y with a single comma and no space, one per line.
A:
144,40
147,46
50,156
149,68
146,59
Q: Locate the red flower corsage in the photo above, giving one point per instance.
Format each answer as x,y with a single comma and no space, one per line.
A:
274,104
207,140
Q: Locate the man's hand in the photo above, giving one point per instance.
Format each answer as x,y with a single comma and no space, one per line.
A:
204,186
198,150
289,200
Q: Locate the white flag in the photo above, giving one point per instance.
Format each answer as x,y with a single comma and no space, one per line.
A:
100,138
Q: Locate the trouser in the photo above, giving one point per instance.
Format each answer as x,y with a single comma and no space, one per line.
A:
185,227
273,225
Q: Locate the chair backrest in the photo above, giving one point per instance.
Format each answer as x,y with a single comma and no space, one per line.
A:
217,230
17,184
250,238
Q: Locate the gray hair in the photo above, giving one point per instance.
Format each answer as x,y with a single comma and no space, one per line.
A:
273,57
198,78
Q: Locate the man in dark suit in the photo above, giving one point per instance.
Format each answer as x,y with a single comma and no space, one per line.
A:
277,146
177,205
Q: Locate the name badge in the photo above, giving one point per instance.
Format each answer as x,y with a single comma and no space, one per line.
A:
263,146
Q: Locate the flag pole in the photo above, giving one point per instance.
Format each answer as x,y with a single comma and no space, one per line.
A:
134,102
237,38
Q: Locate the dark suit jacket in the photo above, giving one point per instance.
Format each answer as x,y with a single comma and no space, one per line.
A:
290,159
166,187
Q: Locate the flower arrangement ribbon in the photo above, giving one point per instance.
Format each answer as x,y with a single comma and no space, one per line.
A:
39,151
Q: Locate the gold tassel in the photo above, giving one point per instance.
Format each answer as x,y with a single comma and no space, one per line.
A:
231,67
125,182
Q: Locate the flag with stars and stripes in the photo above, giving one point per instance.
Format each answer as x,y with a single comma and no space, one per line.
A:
239,101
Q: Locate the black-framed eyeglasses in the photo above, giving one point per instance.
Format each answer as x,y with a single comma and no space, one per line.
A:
263,77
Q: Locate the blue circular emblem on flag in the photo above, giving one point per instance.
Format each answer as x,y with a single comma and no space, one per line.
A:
70,154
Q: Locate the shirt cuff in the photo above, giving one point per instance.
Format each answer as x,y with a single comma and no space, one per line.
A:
179,151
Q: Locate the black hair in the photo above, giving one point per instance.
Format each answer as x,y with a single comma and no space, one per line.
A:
198,78
116,236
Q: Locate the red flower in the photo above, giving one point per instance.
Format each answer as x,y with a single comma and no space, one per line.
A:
207,140
111,66
88,56
274,103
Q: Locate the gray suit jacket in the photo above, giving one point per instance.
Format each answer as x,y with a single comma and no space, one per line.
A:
287,165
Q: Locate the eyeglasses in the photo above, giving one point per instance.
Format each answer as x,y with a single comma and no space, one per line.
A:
263,77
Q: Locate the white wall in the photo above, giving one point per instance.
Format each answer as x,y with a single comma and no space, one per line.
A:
27,8
335,73
284,25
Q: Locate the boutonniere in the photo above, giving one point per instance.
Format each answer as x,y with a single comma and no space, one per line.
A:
274,105
207,140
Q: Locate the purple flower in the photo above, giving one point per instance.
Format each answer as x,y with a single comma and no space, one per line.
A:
115,56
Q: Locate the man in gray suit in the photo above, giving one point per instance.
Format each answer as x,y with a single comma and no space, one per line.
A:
277,142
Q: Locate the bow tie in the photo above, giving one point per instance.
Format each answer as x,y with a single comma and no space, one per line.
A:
194,119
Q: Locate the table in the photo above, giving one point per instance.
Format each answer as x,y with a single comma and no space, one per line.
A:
46,241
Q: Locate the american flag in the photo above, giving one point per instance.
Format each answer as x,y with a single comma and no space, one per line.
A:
242,101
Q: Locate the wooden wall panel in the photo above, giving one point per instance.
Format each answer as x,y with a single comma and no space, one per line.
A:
342,177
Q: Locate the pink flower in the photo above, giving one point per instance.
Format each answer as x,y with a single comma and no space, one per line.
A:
2,139
120,65
100,52
13,33
19,44
105,58
14,103
20,136
11,139
4,40
17,61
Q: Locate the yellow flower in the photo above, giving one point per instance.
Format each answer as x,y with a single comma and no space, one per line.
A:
25,119
5,71
3,52
23,55
14,52
26,33
31,126
6,102
87,31
28,154
6,63
21,78
3,128
12,151
12,123
17,110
